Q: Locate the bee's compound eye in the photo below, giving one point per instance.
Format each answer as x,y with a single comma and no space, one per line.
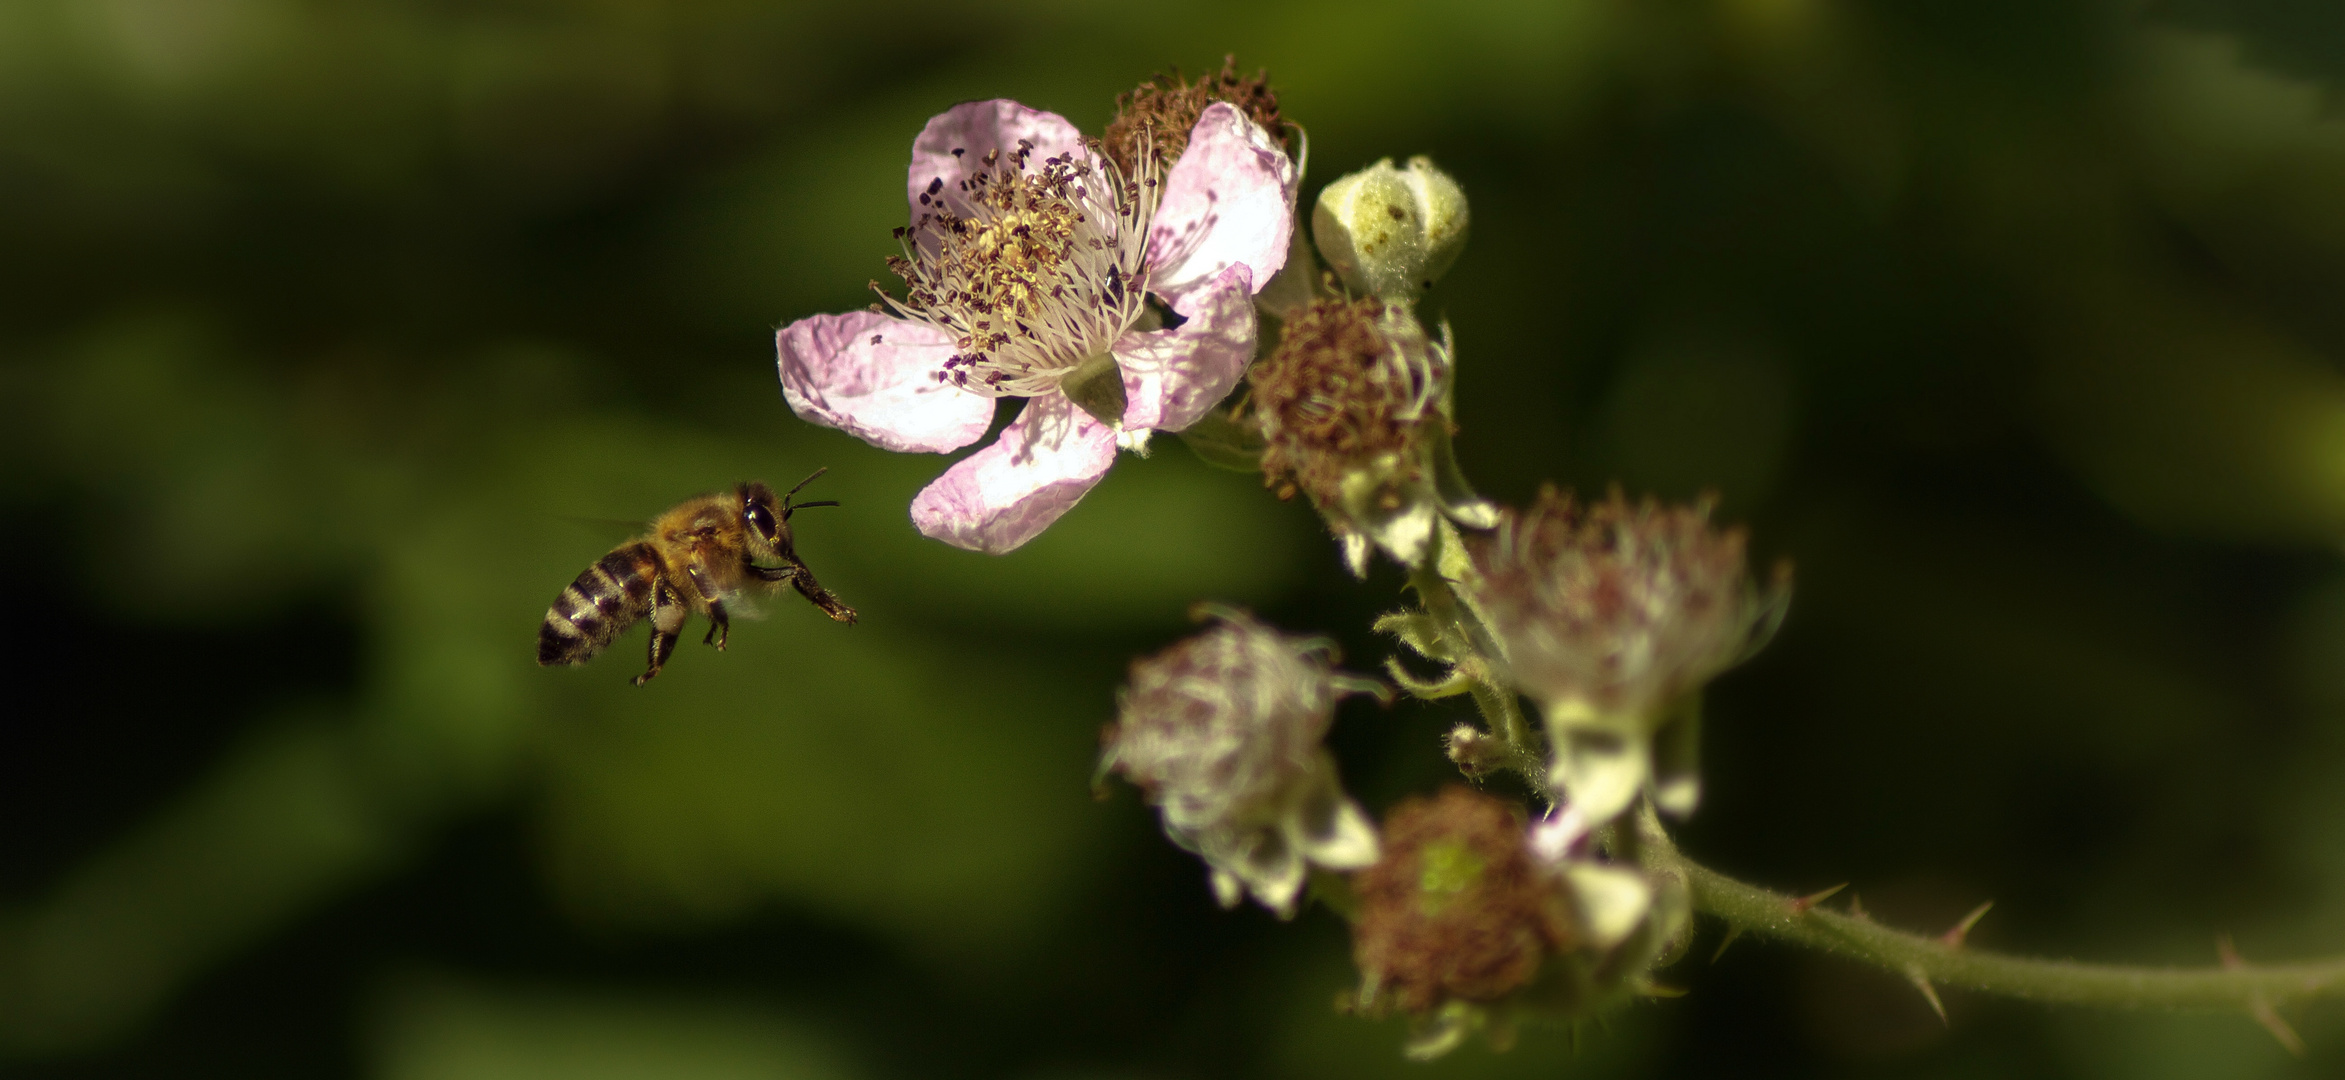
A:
760,519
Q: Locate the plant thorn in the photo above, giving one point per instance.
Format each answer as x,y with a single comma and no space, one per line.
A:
1921,982
1732,932
2257,1007
2270,1019
1801,905
1952,939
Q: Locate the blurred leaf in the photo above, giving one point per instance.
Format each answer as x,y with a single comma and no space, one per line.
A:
439,1029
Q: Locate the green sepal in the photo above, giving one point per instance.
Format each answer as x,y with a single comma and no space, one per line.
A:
1335,891
1226,443
1419,631
1097,385
1677,752
1429,689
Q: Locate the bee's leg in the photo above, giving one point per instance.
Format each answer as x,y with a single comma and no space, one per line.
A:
667,617
719,627
803,580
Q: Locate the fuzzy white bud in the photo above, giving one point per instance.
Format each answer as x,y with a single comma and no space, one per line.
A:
1391,233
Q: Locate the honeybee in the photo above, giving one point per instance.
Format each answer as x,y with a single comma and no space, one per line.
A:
695,558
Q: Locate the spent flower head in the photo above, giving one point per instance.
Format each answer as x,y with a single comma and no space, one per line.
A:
1026,264
1353,408
1471,922
1222,732
1456,909
1610,615
1160,113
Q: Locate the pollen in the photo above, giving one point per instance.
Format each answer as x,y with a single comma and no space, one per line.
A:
1031,267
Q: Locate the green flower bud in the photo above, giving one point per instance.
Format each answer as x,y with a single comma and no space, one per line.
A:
1389,232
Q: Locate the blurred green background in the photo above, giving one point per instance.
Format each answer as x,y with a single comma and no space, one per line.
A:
332,335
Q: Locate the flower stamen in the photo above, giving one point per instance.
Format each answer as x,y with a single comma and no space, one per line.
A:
1030,268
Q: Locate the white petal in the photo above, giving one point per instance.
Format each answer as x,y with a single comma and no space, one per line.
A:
1602,769
1558,833
1173,377
1405,535
1227,889
1612,902
1325,824
953,146
1005,494
1229,201
1348,843
874,377
1355,554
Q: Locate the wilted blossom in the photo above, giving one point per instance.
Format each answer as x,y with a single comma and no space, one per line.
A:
1028,261
1354,411
1470,920
1223,733
1610,615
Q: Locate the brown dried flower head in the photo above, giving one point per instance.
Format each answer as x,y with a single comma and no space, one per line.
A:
1457,910
1348,384
1165,109
1609,615
1350,407
1223,733
1616,605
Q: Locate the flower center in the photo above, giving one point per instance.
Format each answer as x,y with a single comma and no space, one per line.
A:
1031,270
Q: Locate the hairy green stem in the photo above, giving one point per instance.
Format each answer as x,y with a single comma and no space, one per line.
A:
1499,706
1749,908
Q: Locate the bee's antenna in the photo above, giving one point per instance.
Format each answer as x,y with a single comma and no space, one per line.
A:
810,478
789,507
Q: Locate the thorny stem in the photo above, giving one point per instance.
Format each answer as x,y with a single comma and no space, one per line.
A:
1928,961
1500,709
1749,908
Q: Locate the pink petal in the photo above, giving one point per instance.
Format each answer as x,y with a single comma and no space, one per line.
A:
1229,201
1004,495
954,143
874,377
1171,377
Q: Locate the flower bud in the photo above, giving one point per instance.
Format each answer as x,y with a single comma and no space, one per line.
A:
1223,734
1474,751
1389,232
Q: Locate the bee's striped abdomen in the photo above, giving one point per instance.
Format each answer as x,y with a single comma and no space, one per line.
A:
605,600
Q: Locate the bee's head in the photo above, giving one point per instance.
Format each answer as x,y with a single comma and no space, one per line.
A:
768,518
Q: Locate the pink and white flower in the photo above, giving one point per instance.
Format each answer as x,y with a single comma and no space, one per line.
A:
1027,261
